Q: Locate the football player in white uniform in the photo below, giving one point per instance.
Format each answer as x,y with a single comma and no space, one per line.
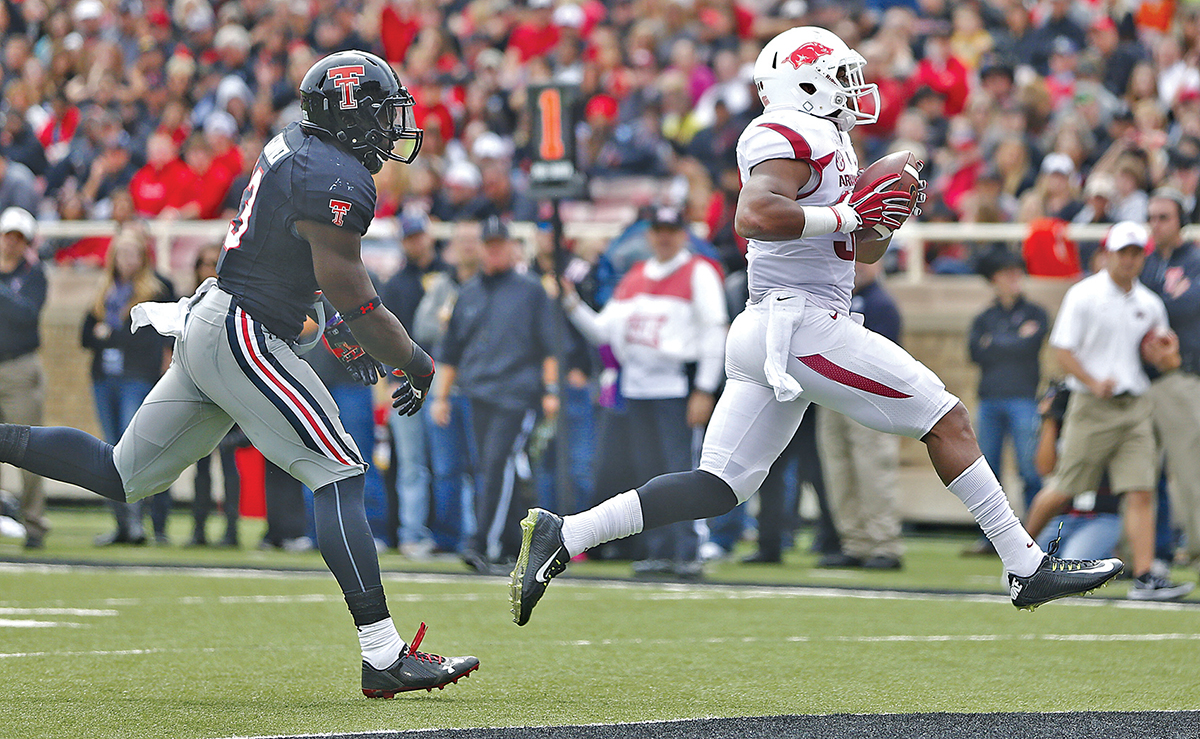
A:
796,343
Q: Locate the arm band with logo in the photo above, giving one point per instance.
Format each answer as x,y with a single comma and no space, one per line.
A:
363,309
421,364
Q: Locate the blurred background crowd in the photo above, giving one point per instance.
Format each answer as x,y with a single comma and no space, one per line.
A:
1021,110
1039,112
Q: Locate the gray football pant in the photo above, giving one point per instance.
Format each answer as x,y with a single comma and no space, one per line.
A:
228,369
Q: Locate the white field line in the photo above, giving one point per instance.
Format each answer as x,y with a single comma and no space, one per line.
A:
7,623
794,639
57,612
644,591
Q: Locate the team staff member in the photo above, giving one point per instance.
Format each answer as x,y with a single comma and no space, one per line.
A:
22,295
1097,339
302,216
667,311
1173,272
499,350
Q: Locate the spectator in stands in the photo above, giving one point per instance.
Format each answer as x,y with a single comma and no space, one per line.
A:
860,464
452,451
1097,339
460,187
207,184
22,296
499,196
503,360
1118,56
17,186
1055,193
163,181
19,143
1172,272
126,364
110,172
665,312
402,294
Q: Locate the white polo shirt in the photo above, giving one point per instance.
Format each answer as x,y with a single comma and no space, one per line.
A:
1103,326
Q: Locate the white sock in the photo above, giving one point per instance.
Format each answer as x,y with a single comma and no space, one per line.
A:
615,518
380,643
979,489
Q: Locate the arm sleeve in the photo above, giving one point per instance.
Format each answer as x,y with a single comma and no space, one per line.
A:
452,345
975,342
1068,328
1187,304
590,323
22,307
708,299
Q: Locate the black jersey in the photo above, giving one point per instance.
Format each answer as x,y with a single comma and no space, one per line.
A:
265,264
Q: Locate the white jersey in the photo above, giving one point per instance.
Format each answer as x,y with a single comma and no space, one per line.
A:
821,266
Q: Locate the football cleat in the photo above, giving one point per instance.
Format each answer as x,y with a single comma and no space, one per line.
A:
415,671
543,555
1058,578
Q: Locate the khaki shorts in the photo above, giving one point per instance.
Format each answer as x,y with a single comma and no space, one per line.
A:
1099,434
228,369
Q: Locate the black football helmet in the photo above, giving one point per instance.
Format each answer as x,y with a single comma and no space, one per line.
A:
356,99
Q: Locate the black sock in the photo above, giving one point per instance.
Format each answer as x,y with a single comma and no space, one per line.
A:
64,454
348,547
684,496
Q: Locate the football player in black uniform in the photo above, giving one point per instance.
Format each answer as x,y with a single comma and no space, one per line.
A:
297,234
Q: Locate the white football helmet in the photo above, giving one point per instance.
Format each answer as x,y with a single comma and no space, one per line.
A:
811,69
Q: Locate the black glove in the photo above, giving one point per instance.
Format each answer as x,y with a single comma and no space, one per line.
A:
415,381
342,344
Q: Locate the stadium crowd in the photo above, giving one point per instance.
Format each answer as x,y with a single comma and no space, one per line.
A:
1034,112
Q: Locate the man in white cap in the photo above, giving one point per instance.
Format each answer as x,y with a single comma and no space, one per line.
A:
22,295
1107,324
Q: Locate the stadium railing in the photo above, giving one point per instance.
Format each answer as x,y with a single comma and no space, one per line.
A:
912,238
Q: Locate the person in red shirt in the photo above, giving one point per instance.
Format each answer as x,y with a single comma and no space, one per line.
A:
943,72
163,181
537,34
209,182
220,131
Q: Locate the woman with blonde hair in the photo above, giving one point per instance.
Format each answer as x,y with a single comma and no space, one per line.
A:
125,365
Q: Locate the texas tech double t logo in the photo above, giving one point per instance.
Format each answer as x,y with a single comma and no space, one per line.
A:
346,79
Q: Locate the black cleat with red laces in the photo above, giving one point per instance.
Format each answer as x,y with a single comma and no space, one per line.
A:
415,671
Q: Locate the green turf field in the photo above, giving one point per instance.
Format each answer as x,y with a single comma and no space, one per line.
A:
152,652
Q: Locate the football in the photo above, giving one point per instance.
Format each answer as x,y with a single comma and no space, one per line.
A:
903,163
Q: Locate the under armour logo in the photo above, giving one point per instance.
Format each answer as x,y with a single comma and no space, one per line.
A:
346,79
340,208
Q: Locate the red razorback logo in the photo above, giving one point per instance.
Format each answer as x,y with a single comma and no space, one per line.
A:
346,79
808,54
340,208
